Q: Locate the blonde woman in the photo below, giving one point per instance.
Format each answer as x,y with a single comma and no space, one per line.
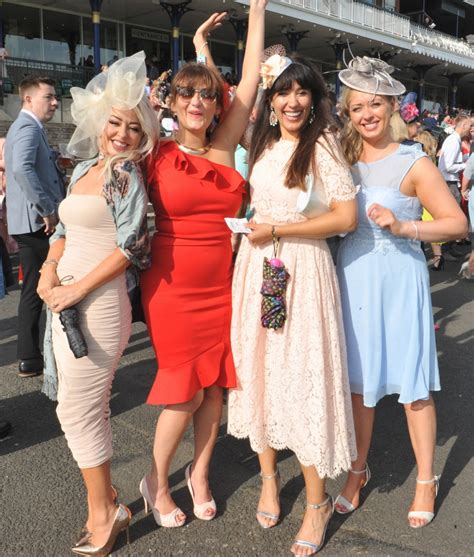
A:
102,233
384,282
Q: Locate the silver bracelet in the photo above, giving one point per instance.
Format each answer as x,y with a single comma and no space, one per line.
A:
201,58
49,262
416,230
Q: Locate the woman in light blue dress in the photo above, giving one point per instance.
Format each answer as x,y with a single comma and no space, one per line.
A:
385,290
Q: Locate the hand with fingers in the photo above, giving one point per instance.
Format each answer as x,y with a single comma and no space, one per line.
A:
384,218
48,280
204,30
50,222
63,297
260,4
261,233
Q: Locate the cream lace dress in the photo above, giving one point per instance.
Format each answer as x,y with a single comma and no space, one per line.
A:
293,390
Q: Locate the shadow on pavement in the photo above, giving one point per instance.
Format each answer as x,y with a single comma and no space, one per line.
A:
34,415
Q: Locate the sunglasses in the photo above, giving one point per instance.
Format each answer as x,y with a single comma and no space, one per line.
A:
187,93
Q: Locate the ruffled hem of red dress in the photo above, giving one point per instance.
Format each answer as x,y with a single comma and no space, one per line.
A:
178,384
223,177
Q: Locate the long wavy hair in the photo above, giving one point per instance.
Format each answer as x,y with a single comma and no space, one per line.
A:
351,140
429,144
302,162
398,128
151,135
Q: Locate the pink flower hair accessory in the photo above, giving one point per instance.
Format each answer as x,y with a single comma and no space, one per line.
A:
409,112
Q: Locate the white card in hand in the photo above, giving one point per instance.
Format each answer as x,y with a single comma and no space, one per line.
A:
237,225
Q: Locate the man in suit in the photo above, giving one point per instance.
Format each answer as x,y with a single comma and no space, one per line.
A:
34,191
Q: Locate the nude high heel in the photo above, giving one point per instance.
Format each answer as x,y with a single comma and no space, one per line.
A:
121,522
169,520
425,515
345,506
201,508
84,534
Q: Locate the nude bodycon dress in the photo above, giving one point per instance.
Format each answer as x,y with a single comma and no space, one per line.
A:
105,319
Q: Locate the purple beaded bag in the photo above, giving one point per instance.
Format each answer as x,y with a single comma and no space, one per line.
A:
273,291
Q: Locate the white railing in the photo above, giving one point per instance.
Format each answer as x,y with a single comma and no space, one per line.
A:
436,39
377,19
359,14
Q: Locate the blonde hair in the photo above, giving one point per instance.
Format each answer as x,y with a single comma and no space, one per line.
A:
151,134
430,145
351,140
398,128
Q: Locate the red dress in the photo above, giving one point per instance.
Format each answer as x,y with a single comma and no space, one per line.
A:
186,293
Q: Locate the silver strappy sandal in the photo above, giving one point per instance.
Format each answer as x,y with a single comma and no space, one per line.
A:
315,547
273,517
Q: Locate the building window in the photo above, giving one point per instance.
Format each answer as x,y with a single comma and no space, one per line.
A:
22,31
224,56
155,44
109,43
62,37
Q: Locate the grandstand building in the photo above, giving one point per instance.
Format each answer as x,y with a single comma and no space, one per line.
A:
430,42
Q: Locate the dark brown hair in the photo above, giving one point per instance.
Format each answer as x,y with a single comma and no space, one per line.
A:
33,82
302,162
197,75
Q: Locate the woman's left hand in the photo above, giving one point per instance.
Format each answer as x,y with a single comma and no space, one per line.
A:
63,297
384,218
213,22
261,233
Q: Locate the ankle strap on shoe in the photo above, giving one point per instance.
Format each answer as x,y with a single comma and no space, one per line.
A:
271,476
358,472
434,479
323,504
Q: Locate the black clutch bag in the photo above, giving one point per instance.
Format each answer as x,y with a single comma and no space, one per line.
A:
69,319
134,294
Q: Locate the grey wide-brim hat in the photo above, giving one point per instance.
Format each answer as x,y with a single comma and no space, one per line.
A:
371,75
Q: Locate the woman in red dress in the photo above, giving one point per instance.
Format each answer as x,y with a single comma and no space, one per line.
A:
187,292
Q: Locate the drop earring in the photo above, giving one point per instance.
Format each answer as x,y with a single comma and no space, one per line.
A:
311,116
273,117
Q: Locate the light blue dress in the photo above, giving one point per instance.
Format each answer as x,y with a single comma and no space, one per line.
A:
385,291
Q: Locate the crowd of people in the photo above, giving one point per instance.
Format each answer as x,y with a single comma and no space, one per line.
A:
306,354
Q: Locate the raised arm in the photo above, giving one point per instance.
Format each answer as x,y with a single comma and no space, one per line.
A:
228,134
203,52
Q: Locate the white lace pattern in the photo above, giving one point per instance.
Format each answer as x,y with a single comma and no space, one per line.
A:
293,390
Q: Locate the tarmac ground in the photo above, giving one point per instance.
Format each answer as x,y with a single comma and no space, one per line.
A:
43,498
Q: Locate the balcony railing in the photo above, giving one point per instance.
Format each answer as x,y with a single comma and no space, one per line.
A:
358,13
436,39
378,19
66,76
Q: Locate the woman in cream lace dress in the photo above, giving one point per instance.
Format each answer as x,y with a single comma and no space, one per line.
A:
293,389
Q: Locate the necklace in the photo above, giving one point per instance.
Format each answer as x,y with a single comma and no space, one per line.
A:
191,150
